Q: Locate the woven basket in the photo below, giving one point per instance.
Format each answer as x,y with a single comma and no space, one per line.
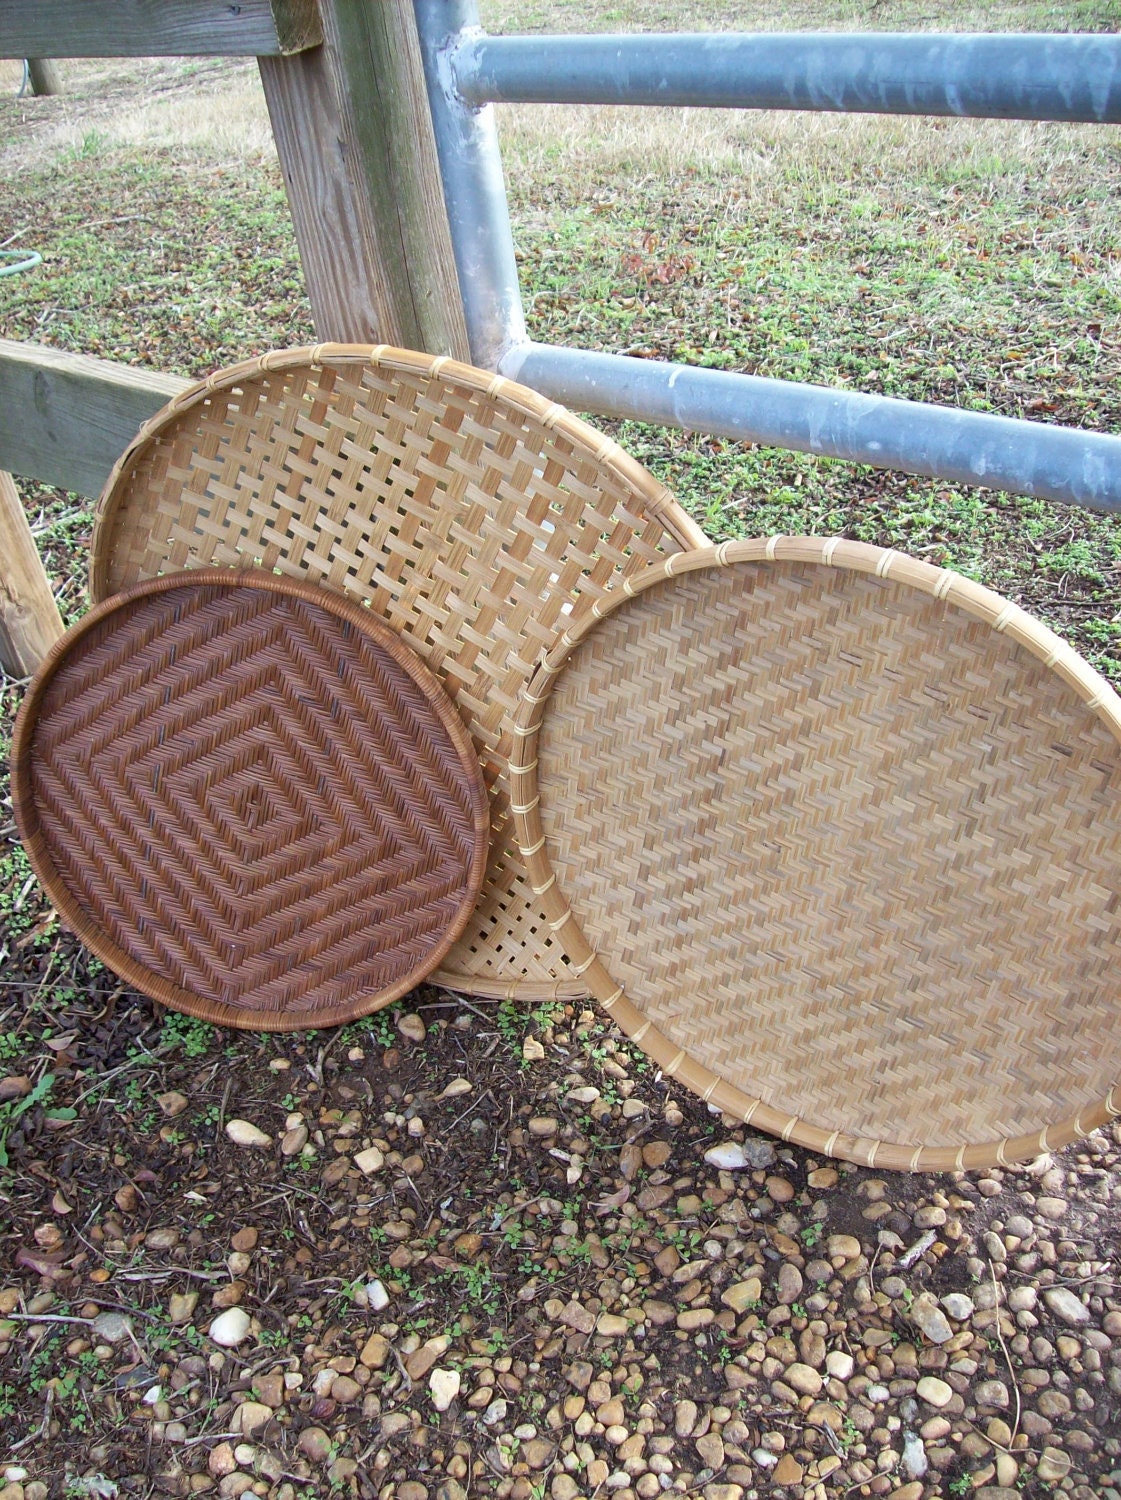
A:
835,837
469,513
251,799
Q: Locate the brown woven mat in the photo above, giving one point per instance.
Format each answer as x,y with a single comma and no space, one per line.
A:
836,837
469,513
250,799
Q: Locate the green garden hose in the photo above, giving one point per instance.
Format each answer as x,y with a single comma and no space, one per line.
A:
22,260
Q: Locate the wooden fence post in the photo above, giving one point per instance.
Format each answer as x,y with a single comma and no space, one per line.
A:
354,133
29,619
43,75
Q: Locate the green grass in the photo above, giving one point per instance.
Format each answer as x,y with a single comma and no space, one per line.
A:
971,264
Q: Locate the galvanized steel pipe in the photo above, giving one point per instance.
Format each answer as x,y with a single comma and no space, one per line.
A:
474,187
973,448
1025,77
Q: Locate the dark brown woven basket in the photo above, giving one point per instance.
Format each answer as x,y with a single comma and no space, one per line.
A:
251,799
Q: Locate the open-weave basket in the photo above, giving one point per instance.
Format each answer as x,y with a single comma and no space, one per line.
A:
471,514
835,836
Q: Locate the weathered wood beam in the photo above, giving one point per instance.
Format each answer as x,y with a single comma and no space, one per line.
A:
43,76
354,133
65,419
29,619
157,28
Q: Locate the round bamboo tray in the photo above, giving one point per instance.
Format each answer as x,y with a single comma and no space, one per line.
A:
251,799
834,835
470,514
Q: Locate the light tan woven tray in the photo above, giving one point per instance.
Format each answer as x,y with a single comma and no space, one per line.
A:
835,836
251,799
469,513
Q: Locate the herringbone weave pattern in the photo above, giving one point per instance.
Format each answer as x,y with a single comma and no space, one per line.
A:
470,514
847,849
253,806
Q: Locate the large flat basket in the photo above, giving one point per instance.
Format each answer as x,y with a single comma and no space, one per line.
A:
468,513
836,838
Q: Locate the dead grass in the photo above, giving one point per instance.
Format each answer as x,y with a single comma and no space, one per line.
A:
755,146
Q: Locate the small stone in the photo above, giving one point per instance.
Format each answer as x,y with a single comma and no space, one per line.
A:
242,1241
779,1189
1051,1208
421,1360
543,1126
823,1177
803,1378
538,1453
1007,1470
112,1326
716,1491
684,1417
729,1157
250,1416
161,1239
743,1295
930,1218
930,1320
811,1348
585,1095
933,1391
444,1386
839,1364
377,1298
14,1086
293,1141
532,1050
992,1393
244,1133
787,1471
269,1389
370,1160
344,1390
842,1247
959,1306
221,1461
694,1318
710,1447
612,1326
1053,1465
1065,1305
914,1461
790,1283
912,1491
314,1444
375,1352
412,1028
230,1328
172,1103
656,1153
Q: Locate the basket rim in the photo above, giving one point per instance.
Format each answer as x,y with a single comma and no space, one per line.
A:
88,929
657,497
974,600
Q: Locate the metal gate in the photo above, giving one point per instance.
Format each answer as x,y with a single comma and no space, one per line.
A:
1044,77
